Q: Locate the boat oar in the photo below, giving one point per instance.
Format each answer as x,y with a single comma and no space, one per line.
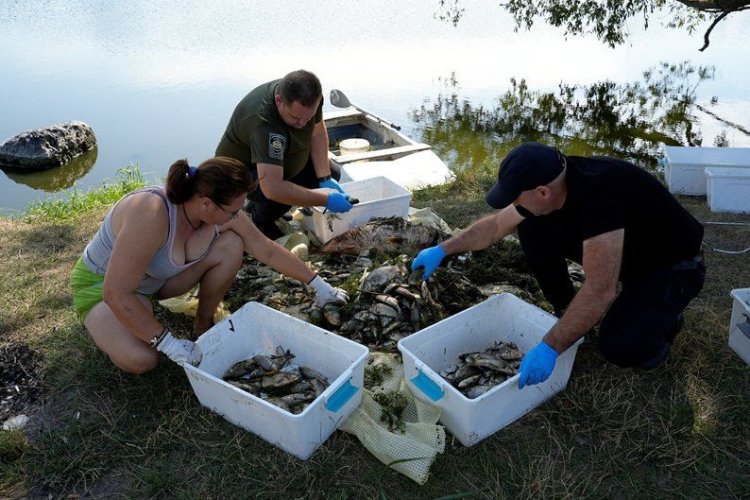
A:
339,99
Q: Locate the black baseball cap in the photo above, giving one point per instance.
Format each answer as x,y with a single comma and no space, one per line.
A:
527,166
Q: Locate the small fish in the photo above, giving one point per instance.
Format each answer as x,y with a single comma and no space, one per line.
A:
332,314
311,373
265,362
477,390
278,381
469,381
493,364
239,369
391,235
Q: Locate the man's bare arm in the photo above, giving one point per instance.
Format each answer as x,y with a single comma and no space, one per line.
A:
271,178
484,232
319,150
602,258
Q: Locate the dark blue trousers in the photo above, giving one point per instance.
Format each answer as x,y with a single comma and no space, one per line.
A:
647,313
264,212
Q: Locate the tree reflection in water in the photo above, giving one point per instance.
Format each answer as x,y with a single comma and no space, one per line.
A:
629,121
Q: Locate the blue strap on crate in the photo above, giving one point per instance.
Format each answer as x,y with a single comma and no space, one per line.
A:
427,386
341,396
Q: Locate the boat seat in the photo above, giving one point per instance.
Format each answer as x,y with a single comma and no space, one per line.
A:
369,155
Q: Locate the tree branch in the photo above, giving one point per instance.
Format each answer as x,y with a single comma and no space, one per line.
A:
710,28
724,121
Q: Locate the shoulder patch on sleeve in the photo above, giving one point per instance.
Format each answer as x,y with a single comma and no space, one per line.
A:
276,143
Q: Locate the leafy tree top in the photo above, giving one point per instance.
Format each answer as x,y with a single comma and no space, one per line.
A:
607,18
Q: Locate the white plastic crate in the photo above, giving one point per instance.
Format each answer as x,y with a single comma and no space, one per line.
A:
728,189
739,325
684,168
258,329
503,317
378,197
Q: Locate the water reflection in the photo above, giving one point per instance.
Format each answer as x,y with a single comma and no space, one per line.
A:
56,179
629,121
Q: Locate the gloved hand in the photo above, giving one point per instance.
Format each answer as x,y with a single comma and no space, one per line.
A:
325,293
331,183
338,203
537,365
429,259
179,350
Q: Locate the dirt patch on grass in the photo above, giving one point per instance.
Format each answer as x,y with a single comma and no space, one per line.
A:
20,379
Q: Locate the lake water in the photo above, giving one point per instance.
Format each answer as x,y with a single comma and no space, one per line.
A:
158,79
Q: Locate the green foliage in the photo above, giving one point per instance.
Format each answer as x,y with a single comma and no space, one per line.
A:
77,202
630,120
606,19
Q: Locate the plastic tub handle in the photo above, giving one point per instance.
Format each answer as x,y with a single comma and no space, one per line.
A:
342,395
744,327
427,386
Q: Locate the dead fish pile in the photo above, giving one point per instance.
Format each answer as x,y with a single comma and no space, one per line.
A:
478,372
386,303
386,235
391,304
387,308
275,379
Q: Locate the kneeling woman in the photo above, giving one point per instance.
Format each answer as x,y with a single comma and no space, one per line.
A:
162,242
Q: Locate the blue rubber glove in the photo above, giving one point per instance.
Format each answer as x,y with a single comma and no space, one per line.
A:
338,203
429,259
537,365
331,183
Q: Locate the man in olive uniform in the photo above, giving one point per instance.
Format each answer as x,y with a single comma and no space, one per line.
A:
277,130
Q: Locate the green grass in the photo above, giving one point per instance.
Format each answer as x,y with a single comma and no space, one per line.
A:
680,431
77,202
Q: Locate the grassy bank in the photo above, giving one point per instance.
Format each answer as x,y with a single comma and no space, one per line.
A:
680,431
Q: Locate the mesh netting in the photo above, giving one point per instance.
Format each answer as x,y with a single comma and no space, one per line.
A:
409,447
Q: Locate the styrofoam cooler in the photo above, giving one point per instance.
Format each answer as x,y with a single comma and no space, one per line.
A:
684,168
739,325
258,329
728,189
378,197
503,317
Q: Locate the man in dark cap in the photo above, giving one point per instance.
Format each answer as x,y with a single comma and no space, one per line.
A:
277,130
615,219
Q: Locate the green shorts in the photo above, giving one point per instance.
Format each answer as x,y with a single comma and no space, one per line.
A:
87,289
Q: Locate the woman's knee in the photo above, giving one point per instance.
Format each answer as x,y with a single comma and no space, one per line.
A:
229,248
136,362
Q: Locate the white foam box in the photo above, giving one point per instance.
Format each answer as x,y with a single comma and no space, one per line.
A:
739,325
258,329
728,189
684,168
503,317
378,197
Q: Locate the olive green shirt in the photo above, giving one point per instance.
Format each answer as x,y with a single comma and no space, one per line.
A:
257,134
